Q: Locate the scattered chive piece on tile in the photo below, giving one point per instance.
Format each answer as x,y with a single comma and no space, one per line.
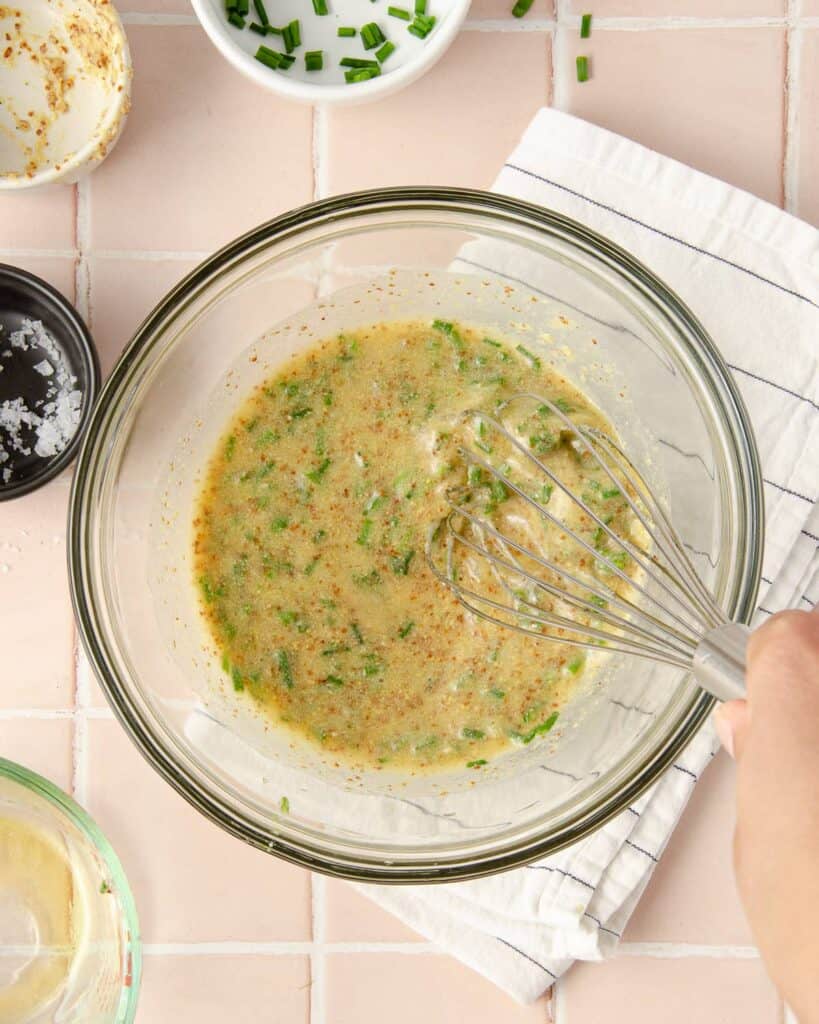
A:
357,62
346,31
387,50
521,7
582,69
585,26
260,30
320,7
314,60
263,18
236,20
399,12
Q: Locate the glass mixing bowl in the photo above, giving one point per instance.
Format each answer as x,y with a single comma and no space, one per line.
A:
70,950
594,313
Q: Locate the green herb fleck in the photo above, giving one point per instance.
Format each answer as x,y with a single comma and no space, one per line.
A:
284,805
473,734
401,563
477,764
405,630
283,664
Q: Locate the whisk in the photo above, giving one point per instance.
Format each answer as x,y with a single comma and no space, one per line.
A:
521,548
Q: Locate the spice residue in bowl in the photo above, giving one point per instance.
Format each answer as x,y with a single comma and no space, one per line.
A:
63,71
309,548
43,413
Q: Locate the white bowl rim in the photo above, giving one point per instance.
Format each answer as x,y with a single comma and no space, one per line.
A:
307,92
85,154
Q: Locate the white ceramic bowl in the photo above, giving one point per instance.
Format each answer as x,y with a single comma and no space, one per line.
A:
65,86
410,60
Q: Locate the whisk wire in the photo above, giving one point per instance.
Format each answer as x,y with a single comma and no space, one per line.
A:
672,606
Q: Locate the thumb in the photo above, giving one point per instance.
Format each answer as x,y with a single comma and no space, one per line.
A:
732,721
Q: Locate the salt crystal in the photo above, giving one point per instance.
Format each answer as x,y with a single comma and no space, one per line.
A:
57,419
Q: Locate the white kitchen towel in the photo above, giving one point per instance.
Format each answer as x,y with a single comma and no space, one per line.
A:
751,274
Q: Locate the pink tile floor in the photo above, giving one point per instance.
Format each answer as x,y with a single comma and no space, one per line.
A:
729,86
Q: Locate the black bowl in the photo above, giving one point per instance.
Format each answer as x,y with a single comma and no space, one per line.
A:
22,295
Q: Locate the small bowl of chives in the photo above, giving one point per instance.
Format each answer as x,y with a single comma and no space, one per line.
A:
332,51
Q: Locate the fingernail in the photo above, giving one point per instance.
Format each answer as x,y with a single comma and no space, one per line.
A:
725,730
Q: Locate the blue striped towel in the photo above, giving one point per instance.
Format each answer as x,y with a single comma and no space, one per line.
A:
751,274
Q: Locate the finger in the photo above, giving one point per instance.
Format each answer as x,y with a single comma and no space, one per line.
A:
732,721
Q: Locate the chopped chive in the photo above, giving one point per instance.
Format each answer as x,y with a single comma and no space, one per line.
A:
497,694
260,30
263,18
279,524
492,342
354,629
387,50
273,59
314,60
243,7
372,36
316,474
538,730
370,579
295,32
405,630
582,69
361,74
585,26
399,12
284,667
420,6
231,5
473,734
284,805
236,20
401,563
364,532
330,652
477,764
320,7
346,31
610,492
521,7
357,62
334,682
422,26
530,357
575,664
236,676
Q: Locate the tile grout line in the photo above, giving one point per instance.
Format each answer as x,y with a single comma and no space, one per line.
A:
684,951
318,959
793,68
560,85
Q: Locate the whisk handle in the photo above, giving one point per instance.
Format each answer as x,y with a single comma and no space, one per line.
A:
719,661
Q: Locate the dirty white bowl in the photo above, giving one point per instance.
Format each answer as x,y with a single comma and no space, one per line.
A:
65,78
410,60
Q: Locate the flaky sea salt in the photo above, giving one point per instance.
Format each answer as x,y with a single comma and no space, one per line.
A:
53,420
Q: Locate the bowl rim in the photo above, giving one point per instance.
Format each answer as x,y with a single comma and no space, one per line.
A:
275,836
84,343
116,114
439,42
66,807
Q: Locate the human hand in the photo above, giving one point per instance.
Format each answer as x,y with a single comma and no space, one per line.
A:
774,736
